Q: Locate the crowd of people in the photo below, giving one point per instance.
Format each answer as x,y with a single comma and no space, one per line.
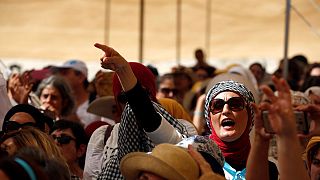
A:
190,123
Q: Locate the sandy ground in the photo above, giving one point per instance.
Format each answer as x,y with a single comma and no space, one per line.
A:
39,32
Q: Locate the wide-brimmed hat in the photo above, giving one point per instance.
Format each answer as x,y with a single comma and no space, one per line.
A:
103,106
165,160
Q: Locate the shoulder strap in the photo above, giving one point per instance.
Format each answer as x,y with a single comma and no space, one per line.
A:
107,133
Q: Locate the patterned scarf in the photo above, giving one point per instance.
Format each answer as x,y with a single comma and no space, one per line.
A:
235,152
132,138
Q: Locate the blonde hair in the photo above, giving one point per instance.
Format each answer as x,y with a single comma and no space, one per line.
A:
32,137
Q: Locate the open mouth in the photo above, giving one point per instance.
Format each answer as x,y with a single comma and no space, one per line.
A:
227,122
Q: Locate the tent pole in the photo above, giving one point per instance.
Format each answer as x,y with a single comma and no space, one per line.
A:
208,28
107,22
178,33
286,39
141,31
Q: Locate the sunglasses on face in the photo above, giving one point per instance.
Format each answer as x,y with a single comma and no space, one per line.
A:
234,103
168,90
13,126
63,139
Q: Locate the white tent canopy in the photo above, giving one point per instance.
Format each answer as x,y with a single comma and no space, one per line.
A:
239,30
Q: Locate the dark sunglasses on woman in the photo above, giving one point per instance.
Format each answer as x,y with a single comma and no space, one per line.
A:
234,103
13,126
63,139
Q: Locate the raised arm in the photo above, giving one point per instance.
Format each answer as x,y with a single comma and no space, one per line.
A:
257,164
282,120
114,61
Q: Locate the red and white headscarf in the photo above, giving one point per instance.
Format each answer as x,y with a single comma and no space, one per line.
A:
235,152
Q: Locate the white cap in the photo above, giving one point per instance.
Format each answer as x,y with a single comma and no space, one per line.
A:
76,65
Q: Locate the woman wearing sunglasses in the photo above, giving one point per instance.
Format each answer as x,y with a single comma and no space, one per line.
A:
72,141
229,115
28,136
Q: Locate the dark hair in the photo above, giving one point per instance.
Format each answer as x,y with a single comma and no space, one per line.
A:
300,58
85,81
166,76
52,167
77,130
64,89
313,151
183,75
21,168
214,164
153,69
309,82
29,109
208,69
257,64
311,67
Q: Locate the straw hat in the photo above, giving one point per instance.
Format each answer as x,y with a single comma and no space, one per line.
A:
103,106
165,160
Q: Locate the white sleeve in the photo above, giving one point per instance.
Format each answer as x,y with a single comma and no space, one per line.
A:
5,103
94,154
165,133
189,126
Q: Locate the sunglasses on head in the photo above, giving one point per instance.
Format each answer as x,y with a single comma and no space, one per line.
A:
234,103
13,126
63,139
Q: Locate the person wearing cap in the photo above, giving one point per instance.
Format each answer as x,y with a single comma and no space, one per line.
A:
76,74
26,115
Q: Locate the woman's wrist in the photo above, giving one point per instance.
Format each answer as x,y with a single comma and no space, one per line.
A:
198,113
127,78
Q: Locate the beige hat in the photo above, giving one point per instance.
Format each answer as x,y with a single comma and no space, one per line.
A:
104,106
165,160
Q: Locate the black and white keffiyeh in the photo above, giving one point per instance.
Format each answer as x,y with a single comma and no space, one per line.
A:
232,86
132,138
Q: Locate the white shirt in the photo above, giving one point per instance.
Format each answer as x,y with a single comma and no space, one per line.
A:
85,117
94,154
5,104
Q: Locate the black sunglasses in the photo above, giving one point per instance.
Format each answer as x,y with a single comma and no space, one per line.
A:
168,90
234,103
63,139
13,126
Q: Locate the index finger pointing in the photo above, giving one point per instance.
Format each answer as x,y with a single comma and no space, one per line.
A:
108,50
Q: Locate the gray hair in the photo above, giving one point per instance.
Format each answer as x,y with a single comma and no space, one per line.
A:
63,87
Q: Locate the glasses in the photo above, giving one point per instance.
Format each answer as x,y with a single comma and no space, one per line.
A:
63,139
13,126
234,103
168,90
